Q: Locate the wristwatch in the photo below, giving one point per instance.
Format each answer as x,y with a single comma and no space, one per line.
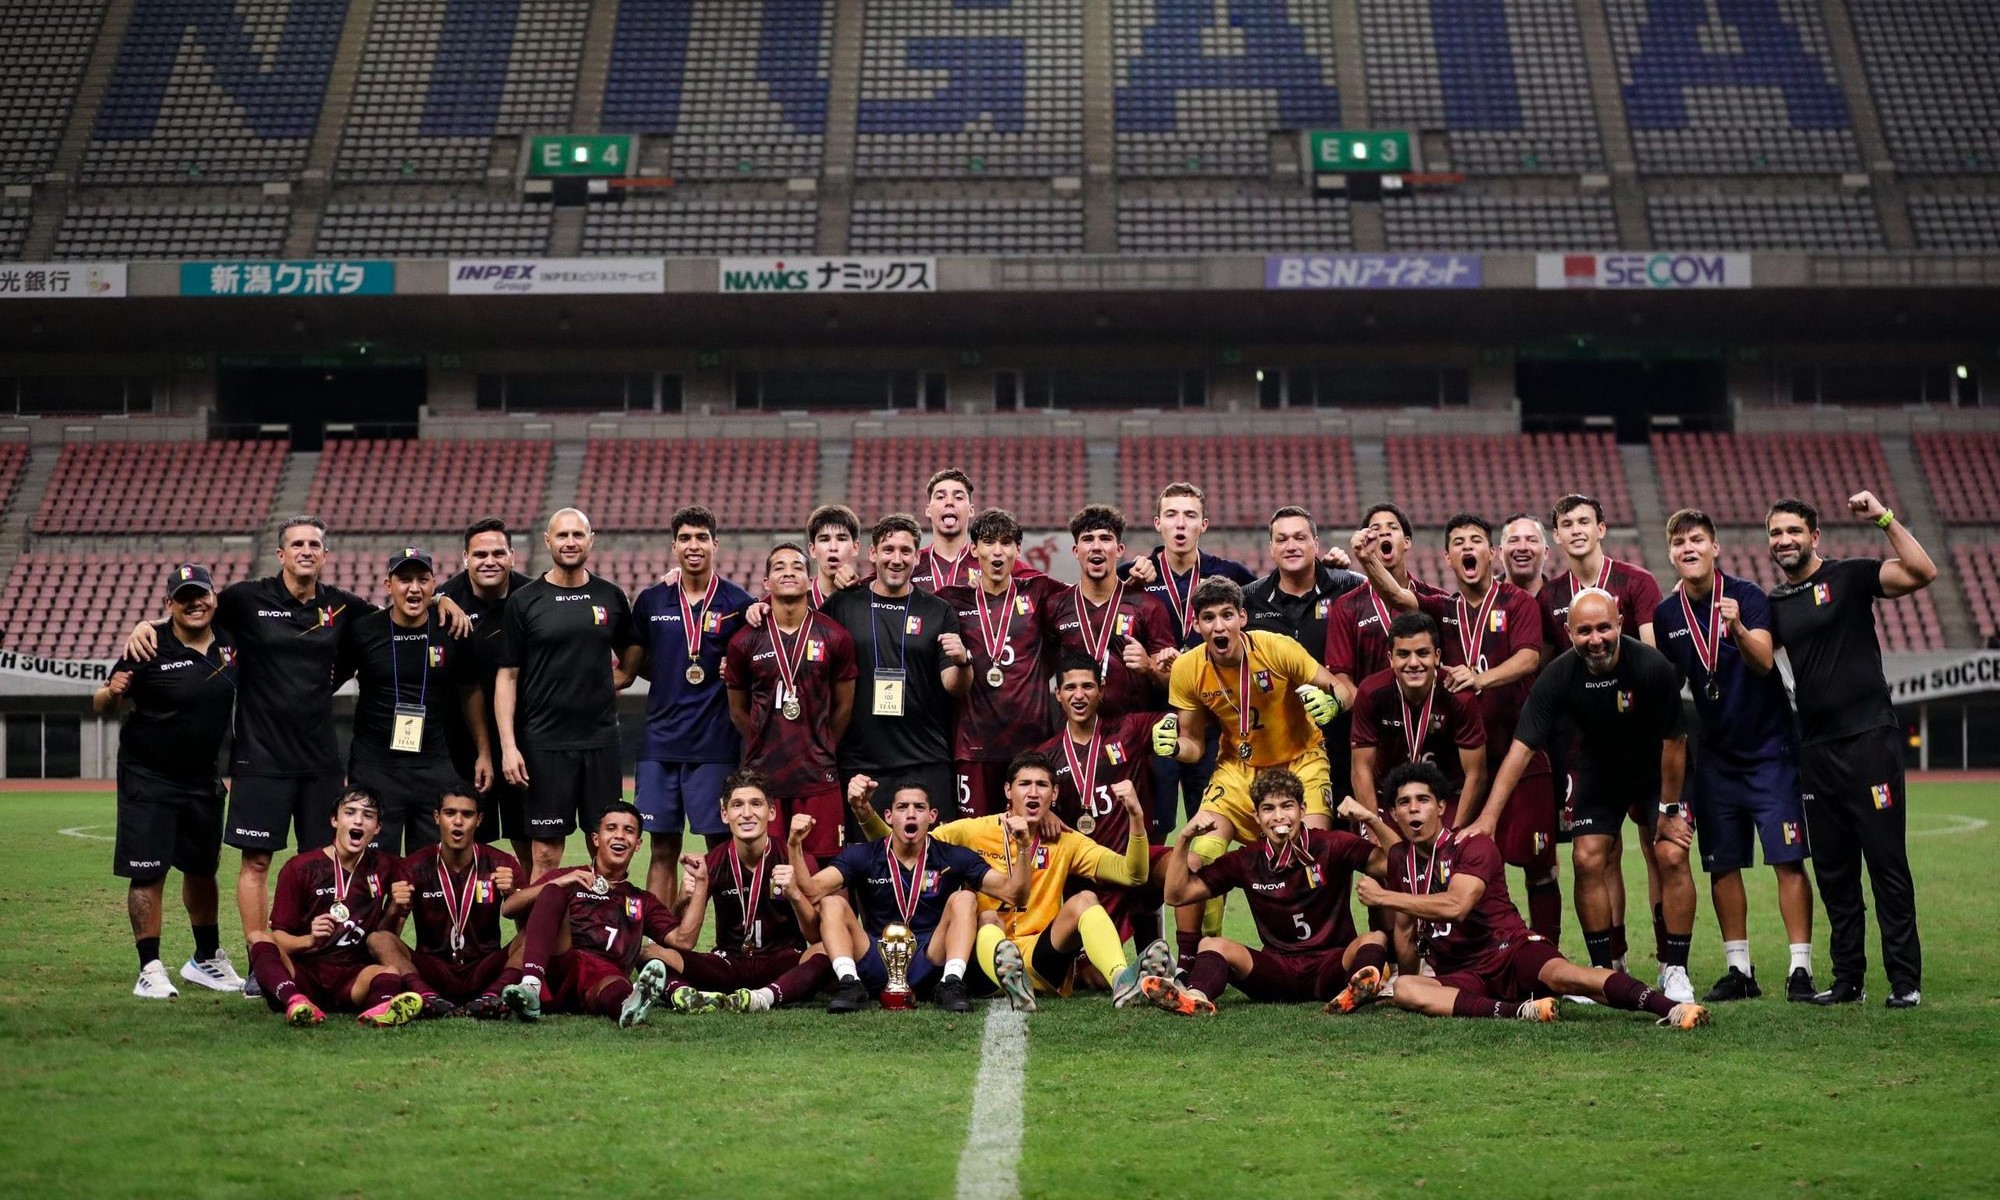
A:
1672,809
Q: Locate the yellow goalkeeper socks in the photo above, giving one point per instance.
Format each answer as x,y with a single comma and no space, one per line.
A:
1101,943
984,946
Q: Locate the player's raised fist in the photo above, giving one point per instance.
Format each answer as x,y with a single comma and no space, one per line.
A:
1336,558
845,576
1166,737
503,880
1863,504
1368,891
1142,571
1128,796
1203,824
1362,546
859,789
1017,826
400,893
695,868
781,879
802,827
1729,609
1352,810
1133,655
118,683
953,647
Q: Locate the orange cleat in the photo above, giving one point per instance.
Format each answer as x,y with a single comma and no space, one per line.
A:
1541,1012
1166,994
1686,1016
1362,989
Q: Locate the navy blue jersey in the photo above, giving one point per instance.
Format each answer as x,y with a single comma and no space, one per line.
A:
1750,722
1175,596
689,722
947,869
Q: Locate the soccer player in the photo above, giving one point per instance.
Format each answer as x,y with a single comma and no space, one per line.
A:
1524,547
169,790
791,695
1823,617
453,890
315,956
911,663
690,743
481,590
1357,630
947,561
833,535
569,648
411,677
1126,631
586,927
1487,963
1405,714
1716,630
910,879
1295,879
1624,701
1007,707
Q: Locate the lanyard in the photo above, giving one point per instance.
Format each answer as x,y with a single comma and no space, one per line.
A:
396,668
875,638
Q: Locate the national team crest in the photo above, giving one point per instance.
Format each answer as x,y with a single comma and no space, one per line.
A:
228,655
437,656
186,574
599,615
1541,842
1124,625
412,552
374,887
1263,681
1791,830
1320,610
326,616
1444,873
1626,702
711,622
930,881
632,908
1496,622
1041,858
483,894
1822,593
1114,754
815,651
1881,796
1022,605
913,625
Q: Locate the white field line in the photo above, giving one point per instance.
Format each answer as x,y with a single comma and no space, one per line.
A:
80,831
1958,824
988,1167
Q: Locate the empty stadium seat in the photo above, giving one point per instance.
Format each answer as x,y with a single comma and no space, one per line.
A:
1978,569
409,487
1963,471
749,483
13,460
45,44
1232,225
1735,477
1041,480
161,487
82,604
1435,477
188,231
1930,68
436,230
702,228
1956,222
967,227
13,229
1908,624
1469,221
1811,222
636,570
1246,478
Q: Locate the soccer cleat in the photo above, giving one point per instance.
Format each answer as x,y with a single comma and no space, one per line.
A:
303,1013
524,999
1909,999
1676,985
1156,959
1361,989
252,990
1685,1016
436,1006
1541,1011
738,1001
691,1001
1734,986
216,974
399,1009
849,995
1799,987
1842,992
153,983
1167,994
1125,988
646,991
950,996
488,1007
1013,972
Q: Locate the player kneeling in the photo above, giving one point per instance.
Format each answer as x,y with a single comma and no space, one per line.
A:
454,892
315,956
586,926
1295,879
1488,964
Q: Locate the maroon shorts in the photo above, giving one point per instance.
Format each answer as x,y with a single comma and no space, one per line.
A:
982,788
574,975
1283,978
1527,833
1513,975
828,812
719,972
326,982
460,981
1124,903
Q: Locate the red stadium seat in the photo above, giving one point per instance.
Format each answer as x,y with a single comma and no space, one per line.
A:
80,605
161,487
749,483
417,486
1733,477
1041,480
1497,475
1245,478
1963,470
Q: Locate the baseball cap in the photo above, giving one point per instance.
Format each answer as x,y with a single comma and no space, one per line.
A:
408,555
189,575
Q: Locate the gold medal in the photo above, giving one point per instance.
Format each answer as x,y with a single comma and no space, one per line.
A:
695,675
1086,824
338,912
601,886
994,676
791,709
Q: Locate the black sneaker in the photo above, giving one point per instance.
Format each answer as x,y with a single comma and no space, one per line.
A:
487,1007
1799,987
1909,999
436,1006
1734,986
950,996
1842,992
849,995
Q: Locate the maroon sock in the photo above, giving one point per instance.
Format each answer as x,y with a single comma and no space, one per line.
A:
414,981
1545,910
544,925
507,976
1209,974
1623,991
1370,955
1186,946
1660,952
609,998
1619,946
267,967
806,977
1471,1004
381,988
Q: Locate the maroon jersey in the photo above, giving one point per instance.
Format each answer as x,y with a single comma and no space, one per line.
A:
1475,943
1140,618
612,925
1637,591
431,910
1124,754
797,755
1298,898
1513,624
935,572
1378,722
306,889
1357,634
994,724
773,924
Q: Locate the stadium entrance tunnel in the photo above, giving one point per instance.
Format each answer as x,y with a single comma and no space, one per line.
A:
1558,395
376,399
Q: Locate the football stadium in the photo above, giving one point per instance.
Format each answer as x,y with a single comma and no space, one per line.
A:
1173,597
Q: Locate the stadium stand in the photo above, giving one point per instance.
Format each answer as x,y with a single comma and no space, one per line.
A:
702,227
1845,222
1433,221
1956,222
161,487
637,570
408,487
1730,88
1038,479
990,89
187,231
439,80
216,92
637,484
46,45
436,230
1232,225
1434,478
1734,477
73,604
1245,478
1909,624
13,229
1505,78
967,227
1930,67
13,460
1201,86
1978,570
1963,471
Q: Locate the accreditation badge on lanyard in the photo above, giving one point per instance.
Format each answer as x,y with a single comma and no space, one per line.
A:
406,733
889,680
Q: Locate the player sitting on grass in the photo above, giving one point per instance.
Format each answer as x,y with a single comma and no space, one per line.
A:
908,879
315,955
585,927
1295,879
1487,962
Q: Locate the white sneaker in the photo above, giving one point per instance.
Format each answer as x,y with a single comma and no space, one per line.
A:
216,974
153,983
1675,983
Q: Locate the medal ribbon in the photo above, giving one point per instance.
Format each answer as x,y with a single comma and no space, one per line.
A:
1707,652
343,880
1242,691
1381,611
1603,580
689,628
1095,644
994,634
396,667
788,665
1437,852
751,899
460,911
907,898
944,571
1414,736
1180,600
1470,641
1085,781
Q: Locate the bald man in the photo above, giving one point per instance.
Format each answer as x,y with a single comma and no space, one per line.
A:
1624,700
568,647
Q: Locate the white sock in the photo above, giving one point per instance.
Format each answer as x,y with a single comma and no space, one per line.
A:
1737,954
762,999
954,968
843,968
532,983
1802,957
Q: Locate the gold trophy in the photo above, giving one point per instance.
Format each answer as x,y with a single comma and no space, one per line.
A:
897,944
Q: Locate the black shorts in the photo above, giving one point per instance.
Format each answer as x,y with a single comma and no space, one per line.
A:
407,786
261,806
505,809
166,823
1599,807
570,787
1865,770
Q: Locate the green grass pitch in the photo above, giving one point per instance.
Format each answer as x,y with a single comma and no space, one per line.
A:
106,1095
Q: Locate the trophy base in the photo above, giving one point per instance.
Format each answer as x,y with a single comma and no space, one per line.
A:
898,1001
